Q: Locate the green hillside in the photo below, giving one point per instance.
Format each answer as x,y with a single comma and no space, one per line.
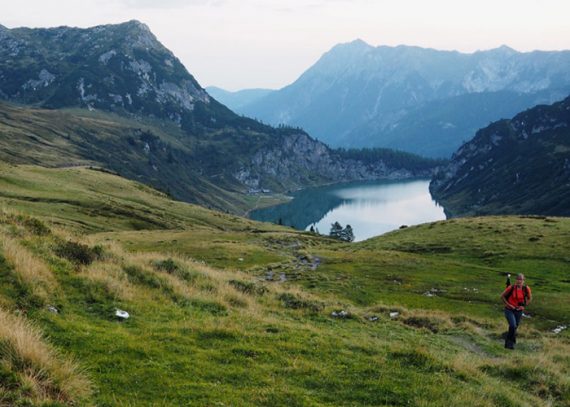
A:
227,311
517,166
152,152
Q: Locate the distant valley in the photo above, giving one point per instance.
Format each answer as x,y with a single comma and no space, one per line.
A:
114,96
238,100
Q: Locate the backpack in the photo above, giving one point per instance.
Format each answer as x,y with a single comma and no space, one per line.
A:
525,291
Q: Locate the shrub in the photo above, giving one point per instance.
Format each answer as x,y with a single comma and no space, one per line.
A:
167,265
78,253
139,276
36,226
171,267
247,287
33,225
292,301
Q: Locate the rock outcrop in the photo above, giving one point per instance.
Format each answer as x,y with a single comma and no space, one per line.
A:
298,160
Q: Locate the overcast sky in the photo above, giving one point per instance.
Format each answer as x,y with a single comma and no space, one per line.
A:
238,44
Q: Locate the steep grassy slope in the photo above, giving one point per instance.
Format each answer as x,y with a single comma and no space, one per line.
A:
154,153
518,166
213,168
209,327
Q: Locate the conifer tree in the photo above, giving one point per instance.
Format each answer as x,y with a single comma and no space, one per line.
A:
336,230
347,234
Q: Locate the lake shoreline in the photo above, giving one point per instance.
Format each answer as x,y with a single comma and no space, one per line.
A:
370,207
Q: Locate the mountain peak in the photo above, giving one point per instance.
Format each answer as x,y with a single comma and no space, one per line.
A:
506,49
135,24
359,42
123,67
502,50
347,50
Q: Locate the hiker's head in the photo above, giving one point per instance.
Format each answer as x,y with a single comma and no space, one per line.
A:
520,279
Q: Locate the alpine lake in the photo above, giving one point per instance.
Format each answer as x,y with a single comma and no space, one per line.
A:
371,208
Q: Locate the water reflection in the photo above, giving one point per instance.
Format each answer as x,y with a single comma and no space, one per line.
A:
371,208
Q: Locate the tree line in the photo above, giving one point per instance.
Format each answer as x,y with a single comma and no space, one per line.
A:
392,158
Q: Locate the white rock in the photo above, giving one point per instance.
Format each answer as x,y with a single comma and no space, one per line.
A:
559,329
339,314
122,314
53,309
394,314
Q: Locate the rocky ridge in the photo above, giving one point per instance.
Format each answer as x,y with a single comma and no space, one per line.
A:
121,68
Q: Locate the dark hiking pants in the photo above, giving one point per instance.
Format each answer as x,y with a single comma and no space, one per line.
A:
514,319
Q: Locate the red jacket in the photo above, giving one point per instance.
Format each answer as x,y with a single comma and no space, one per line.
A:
517,295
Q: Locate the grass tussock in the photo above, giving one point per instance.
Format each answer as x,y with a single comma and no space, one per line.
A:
32,371
113,278
248,287
24,223
32,272
295,301
545,374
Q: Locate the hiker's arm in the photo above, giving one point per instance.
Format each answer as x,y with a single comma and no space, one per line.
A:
509,306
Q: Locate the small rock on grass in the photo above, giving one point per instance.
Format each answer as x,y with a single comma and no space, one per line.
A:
340,314
52,309
122,315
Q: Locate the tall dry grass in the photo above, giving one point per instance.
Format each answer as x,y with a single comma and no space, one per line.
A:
112,277
30,270
45,375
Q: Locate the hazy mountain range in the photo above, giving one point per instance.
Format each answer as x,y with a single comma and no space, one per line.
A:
420,100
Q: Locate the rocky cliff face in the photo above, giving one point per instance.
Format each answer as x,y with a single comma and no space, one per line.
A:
298,160
519,166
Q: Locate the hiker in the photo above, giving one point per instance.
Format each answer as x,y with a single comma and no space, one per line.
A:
515,297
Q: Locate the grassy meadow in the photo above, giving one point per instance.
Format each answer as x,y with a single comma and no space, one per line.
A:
225,311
